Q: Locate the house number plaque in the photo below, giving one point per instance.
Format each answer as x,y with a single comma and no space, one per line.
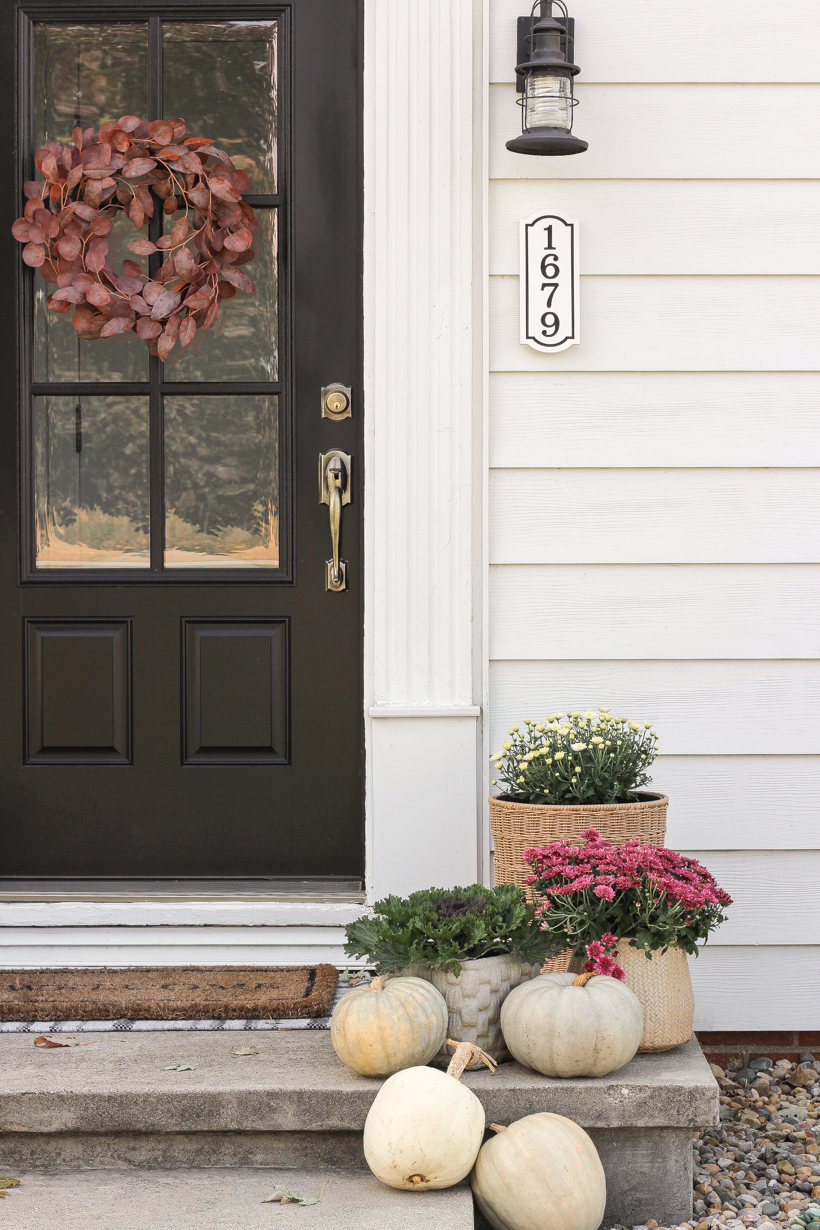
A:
550,283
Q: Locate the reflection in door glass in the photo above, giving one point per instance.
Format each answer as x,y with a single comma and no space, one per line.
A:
85,75
221,482
243,344
59,354
91,488
221,78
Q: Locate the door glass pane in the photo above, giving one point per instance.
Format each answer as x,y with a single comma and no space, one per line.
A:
59,354
243,343
85,75
91,488
220,77
221,482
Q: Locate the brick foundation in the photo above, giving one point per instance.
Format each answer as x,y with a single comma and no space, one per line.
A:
724,1047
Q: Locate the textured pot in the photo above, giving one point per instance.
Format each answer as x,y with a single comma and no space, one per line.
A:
474,998
664,988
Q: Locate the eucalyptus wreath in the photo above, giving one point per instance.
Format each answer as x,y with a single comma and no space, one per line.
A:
130,167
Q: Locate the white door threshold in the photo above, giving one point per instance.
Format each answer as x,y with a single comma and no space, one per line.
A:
330,890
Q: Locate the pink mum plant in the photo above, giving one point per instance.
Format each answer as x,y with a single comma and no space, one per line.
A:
591,894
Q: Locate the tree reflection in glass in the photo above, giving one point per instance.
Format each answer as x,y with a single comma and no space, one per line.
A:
91,486
222,482
221,77
243,344
83,76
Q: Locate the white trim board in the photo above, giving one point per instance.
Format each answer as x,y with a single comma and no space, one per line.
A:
425,188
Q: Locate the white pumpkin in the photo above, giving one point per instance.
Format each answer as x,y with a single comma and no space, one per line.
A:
380,1029
568,1025
425,1128
541,1173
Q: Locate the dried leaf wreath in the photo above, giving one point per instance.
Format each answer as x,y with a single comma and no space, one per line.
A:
123,168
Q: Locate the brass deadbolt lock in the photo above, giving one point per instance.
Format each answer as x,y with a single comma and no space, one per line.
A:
336,402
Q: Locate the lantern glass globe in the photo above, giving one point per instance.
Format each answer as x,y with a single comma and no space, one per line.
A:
548,101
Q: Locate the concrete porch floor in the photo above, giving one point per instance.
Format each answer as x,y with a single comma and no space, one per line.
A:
112,1106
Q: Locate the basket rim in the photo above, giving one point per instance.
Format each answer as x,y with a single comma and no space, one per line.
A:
650,799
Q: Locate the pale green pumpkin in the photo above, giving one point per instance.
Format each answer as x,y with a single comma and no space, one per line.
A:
563,1025
380,1029
541,1173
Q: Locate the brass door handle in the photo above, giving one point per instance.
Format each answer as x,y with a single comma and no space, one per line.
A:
335,491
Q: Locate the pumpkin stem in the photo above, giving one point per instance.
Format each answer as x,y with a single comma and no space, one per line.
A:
497,1127
467,1053
582,980
416,1179
376,984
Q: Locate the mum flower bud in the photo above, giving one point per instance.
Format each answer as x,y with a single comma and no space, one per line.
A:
507,746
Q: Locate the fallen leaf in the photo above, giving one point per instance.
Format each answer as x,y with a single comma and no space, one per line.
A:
283,1195
6,1183
237,1051
40,1040
183,1067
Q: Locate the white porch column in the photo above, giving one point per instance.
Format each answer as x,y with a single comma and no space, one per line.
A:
424,395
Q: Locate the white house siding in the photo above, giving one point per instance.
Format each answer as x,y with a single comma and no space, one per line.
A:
653,513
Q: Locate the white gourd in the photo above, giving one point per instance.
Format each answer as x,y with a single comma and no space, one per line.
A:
563,1025
380,1029
425,1128
541,1173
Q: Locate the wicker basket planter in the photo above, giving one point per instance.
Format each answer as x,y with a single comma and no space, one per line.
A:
474,998
664,987
518,826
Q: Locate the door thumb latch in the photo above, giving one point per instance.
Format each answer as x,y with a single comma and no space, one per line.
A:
335,491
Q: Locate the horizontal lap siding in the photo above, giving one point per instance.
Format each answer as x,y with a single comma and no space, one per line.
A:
758,988
672,324
653,227
648,516
734,40
654,419
673,132
654,492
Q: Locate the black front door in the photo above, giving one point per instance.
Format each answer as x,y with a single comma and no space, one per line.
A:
180,668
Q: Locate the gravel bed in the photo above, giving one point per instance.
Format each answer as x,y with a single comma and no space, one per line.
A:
761,1168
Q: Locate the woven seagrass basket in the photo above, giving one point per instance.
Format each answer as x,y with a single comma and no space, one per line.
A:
518,826
664,988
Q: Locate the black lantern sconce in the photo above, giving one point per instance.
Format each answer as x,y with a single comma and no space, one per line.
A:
545,69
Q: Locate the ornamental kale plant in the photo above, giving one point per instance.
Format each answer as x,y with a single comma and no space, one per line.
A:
651,896
579,758
445,926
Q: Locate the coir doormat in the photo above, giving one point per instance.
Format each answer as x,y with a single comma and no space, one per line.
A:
168,993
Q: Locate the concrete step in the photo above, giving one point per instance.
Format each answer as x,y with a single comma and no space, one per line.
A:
229,1199
113,1104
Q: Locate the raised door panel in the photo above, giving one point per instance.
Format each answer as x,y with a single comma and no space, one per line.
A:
78,692
235,691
